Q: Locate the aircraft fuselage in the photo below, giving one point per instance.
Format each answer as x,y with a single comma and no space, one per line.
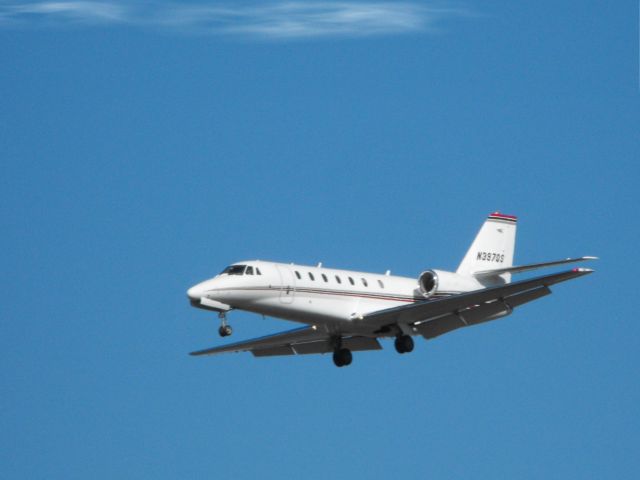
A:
310,295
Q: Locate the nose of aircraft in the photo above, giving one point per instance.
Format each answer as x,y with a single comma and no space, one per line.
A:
195,292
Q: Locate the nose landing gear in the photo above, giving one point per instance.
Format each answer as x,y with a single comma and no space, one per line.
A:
224,330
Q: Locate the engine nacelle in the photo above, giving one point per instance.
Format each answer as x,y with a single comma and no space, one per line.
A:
431,282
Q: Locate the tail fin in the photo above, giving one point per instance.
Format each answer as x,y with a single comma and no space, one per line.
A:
493,247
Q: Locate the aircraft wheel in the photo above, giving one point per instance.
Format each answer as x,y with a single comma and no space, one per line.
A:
225,330
342,357
404,344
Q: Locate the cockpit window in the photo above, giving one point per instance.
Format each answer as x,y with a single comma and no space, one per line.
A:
249,270
235,270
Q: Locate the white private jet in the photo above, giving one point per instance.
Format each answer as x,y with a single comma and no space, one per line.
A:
346,311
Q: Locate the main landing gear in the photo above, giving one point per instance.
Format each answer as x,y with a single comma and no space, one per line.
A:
404,344
224,330
342,357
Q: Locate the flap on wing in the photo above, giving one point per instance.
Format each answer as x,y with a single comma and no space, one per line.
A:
433,309
440,326
273,351
354,344
357,344
525,297
484,312
323,346
299,341
478,314
290,337
469,316
526,268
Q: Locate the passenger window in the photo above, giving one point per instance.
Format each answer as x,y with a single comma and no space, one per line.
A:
380,283
351,281
338,279
311,276
364,282
324,277
298,275
249,271
258,271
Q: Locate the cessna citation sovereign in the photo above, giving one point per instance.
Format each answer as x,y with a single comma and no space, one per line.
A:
346,311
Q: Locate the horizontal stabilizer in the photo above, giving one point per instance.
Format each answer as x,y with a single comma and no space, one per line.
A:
526,268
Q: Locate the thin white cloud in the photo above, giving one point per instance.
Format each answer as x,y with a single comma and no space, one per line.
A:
283,19
81,11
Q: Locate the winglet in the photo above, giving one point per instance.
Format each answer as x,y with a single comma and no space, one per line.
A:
583,270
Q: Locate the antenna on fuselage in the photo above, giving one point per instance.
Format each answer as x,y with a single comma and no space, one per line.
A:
319,264
387,273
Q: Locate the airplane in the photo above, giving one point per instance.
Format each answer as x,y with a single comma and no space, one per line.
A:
347,311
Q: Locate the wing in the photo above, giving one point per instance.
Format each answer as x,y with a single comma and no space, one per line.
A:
297,341
428,318
526,268
435,317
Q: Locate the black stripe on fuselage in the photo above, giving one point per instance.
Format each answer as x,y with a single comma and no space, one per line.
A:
345,293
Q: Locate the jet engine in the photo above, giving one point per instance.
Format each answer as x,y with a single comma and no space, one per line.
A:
440,281
428,283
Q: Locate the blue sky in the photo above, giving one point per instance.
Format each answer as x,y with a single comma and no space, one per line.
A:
146,145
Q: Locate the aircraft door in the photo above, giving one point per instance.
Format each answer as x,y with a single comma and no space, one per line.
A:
287,284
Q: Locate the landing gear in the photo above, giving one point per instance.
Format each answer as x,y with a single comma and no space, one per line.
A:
342,357
404,344
224,330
